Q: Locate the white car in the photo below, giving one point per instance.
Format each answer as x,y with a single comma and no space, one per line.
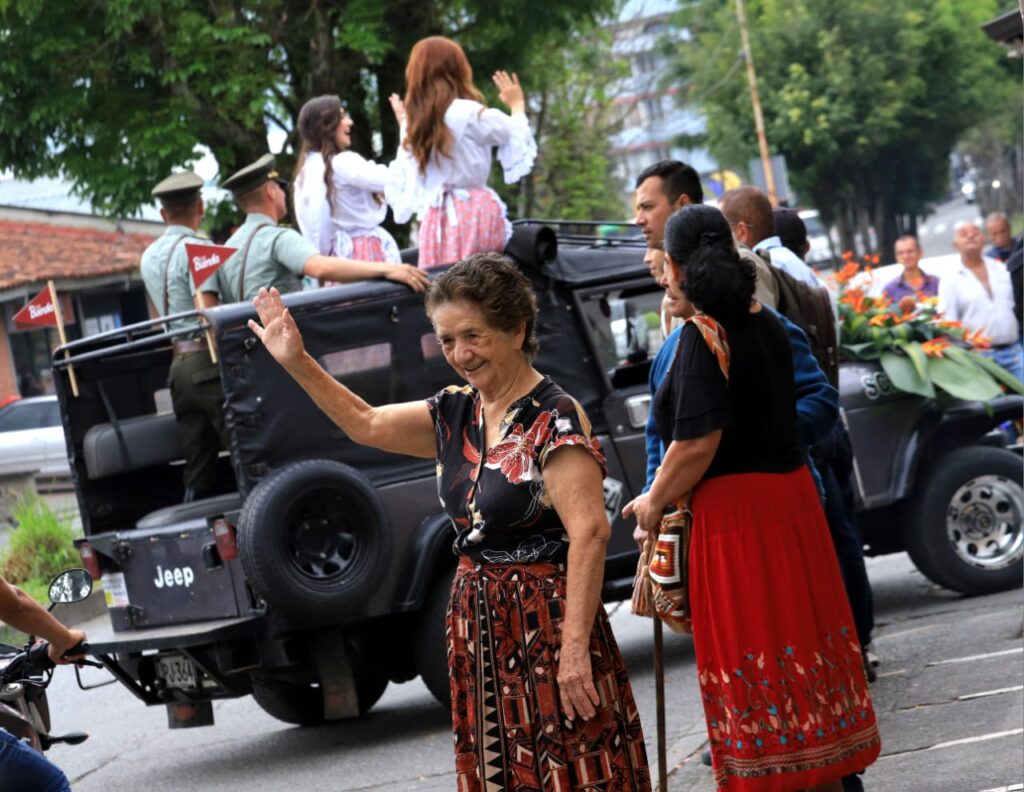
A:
32,438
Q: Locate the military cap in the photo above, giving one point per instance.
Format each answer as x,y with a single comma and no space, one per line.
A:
252,176
178,189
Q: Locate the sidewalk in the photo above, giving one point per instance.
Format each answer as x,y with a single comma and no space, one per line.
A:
950,699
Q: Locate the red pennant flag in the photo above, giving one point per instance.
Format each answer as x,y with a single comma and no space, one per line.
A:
204,260
39,312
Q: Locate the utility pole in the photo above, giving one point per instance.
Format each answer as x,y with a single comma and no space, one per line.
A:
762,141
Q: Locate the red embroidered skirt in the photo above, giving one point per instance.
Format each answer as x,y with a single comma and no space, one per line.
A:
470,221
504,633
781,674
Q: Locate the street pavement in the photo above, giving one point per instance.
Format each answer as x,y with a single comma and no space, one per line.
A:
935,232
949,697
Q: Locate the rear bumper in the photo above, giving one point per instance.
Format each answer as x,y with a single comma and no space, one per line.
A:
178,636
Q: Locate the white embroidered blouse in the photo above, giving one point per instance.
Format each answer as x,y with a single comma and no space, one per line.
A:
476,130
352,208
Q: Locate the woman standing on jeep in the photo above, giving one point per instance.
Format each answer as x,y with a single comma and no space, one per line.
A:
779,662
445,154
540,695
339,195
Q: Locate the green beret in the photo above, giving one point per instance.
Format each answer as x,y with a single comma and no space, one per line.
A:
178,189
252,176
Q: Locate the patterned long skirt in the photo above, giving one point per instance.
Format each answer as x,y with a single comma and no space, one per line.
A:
504,634
781,674
467,221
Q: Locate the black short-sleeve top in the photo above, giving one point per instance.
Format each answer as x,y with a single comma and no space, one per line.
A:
499,506
755,408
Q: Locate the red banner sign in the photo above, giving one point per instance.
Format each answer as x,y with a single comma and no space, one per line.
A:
39,312
204,260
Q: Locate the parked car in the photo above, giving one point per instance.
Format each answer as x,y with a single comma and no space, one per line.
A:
32,438
322,571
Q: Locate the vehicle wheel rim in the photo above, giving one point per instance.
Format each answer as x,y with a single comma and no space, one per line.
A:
983,522
322,542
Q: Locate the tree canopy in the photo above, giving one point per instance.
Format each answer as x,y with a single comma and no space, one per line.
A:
865,98
114,94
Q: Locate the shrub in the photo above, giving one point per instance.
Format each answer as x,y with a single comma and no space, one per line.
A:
41,545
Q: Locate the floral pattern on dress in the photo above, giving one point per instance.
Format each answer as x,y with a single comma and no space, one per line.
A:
805,709
498,504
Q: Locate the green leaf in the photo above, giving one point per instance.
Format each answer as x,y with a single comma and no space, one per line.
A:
962,381
1000,374
916,355
904,374
863,351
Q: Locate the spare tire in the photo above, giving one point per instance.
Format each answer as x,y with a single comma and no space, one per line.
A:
313,539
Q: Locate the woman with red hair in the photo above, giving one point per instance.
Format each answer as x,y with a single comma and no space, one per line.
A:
339,201
445,156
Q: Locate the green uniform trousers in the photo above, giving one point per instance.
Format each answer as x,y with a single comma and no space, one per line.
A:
199,407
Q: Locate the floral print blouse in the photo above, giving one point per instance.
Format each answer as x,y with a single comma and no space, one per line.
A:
499,506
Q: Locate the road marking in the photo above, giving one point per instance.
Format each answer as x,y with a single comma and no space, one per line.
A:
979,738
1011,788
975,657
985,693
939,228
897,672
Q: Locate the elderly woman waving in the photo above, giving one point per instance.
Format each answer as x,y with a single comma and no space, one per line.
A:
535,670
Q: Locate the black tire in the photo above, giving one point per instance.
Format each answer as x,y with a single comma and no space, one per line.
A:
430,646
303,705
313,539
965,532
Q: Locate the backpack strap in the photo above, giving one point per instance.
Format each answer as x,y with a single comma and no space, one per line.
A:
714,336
245,258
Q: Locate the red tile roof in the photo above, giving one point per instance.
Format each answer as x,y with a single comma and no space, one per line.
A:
31,252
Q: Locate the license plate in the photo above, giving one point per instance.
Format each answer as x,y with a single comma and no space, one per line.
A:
177,671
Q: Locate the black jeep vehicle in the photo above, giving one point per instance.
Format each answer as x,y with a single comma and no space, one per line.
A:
322,571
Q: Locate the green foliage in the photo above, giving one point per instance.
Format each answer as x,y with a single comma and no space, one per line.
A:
865,98
41,545
114,94
573,117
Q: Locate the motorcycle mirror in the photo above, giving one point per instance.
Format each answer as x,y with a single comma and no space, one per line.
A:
73,585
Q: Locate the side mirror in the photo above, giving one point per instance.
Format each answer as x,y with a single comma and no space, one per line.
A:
74,585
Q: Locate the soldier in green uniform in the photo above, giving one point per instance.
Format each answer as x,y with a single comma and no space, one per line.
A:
269,255
194,379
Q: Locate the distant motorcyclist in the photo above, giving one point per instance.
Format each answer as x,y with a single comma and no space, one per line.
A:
21,766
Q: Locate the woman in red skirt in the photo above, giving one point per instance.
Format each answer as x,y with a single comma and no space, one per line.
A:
781,675
444,160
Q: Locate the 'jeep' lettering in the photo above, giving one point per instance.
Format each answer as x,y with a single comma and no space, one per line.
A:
179,576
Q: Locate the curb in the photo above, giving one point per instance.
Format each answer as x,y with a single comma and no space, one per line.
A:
75,613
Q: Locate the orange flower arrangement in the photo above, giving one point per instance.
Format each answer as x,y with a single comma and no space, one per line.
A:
918,348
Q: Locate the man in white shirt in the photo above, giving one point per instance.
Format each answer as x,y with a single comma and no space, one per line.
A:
979,295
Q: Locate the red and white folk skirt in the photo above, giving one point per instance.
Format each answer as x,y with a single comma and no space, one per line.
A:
781,674
464,222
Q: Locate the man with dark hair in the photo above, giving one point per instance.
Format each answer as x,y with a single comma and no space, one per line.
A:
791,230
662,188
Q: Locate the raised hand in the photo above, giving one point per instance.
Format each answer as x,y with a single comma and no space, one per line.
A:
510,91
276,329
413,277
398,107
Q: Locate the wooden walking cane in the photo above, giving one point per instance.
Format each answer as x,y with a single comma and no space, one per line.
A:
659,697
